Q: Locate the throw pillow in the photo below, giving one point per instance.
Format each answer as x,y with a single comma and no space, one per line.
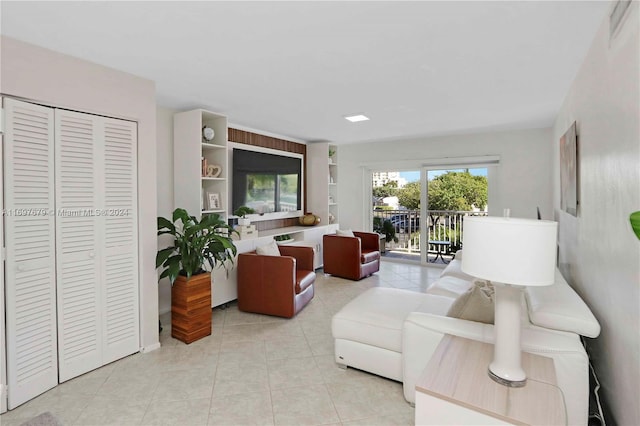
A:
345,233
476,304
270,249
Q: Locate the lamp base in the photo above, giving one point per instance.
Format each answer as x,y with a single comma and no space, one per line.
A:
506,367
506,382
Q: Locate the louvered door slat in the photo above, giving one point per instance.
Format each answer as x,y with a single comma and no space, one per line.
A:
121,329
30,264
77,233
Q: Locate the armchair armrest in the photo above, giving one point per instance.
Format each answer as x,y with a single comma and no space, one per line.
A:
303,256
370,240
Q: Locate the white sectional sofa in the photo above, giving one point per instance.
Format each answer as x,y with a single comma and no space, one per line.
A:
393,333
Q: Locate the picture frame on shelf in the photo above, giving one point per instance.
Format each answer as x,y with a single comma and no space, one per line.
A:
213,170
213,201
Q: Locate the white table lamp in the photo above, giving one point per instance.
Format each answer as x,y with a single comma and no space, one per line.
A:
510,253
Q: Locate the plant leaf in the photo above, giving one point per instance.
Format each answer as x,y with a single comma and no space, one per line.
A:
634,218
163,255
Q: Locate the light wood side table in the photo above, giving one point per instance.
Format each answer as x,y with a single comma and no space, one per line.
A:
454,389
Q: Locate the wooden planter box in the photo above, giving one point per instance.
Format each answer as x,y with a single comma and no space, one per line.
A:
191,308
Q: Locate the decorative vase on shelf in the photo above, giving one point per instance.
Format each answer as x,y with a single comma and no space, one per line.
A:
309,219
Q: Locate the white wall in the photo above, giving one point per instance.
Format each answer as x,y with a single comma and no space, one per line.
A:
521,182
164,137
599,254
52,78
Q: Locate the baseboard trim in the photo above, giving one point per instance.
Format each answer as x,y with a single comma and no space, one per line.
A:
150,348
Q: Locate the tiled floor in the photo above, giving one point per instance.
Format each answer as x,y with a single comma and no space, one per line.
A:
253,370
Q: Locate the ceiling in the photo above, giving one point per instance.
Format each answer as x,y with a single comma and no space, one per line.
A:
297,68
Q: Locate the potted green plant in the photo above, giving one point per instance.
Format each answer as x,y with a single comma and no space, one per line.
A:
197,245
386,230
332,152
242,213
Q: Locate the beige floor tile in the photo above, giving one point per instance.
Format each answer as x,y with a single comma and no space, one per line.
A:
319,325
243,409
190,412
282,329
309,405
367,398
237,317
185,384
321,344
288,347
238,378
66,408
243,346
294,372
240,333
392,420
117,412
85,385
136,388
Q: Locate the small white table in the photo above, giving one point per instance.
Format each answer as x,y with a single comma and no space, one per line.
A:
454,389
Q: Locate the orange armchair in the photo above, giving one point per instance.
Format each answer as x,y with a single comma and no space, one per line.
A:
351,257
276,285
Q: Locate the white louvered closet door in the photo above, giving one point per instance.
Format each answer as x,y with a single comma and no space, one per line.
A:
77,153
120,243
96,186
30,243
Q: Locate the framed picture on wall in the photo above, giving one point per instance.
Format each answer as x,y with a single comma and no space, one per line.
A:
569,167
213,201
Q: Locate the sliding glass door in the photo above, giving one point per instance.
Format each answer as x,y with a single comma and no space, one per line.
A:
420,213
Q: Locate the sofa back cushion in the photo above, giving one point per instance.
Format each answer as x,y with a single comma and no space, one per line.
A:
559,307
450,286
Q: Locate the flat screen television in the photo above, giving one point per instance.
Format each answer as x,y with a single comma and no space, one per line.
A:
266,182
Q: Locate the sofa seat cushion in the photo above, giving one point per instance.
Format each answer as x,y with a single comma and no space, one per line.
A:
369,256
375,317
559,307
304,279
450,286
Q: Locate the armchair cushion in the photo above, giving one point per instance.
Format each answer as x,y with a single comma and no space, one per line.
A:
345,232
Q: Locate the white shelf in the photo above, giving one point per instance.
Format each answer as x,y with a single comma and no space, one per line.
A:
206,145
190,186
322,180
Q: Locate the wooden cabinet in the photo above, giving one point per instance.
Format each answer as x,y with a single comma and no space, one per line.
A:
200,166
322,181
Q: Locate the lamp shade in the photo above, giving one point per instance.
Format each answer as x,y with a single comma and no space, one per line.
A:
510,250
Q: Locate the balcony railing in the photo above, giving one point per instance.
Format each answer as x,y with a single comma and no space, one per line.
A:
444,230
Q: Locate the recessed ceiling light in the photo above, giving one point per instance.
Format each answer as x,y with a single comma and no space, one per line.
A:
356,118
